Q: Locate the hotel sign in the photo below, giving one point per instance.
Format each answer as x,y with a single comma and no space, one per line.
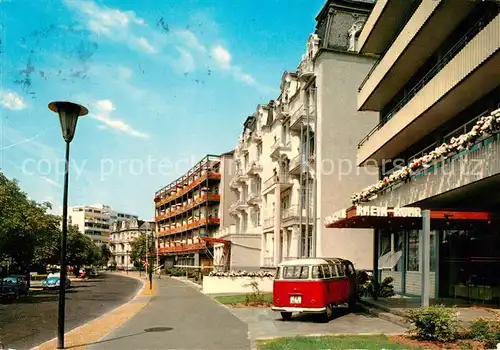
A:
401,212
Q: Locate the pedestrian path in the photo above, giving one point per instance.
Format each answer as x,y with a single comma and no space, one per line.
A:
179,317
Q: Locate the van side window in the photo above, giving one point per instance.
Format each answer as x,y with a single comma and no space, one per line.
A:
326,271
317,272
296,272
340,269
277,276
333,270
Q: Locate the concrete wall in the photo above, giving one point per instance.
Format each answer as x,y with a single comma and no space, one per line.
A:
245,252
340,128
235,285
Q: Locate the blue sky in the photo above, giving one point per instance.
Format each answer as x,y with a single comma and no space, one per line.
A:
166,82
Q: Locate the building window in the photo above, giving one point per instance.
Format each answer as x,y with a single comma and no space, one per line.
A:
413,251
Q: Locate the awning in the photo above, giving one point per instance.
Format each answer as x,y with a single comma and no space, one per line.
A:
363,216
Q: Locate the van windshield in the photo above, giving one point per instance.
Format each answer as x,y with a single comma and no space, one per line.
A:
295,272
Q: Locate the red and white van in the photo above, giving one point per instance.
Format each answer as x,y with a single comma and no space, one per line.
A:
316,285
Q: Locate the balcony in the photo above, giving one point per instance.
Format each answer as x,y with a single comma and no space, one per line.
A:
301,164
256,136
292,215
255,197
181,208
468,72
385,22
189,226
306,68
475,167
429,26
241,175
268,223
254,168
183,248
282,180
242,205
181,189
300,118
279,146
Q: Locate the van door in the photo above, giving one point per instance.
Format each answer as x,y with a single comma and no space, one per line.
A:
351,276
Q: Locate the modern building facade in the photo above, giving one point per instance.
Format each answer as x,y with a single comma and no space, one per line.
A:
436,87
122,234
190,211
96,220
296,157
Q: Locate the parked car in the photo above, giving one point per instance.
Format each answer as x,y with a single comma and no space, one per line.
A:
314,286
53,282
91,273
14,286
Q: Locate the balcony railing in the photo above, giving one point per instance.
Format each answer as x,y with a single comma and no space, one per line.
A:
306,67
480,161
255,197
268,222
183,248
445,59
161,201
189,226
254,167
209,197
294,211
276,179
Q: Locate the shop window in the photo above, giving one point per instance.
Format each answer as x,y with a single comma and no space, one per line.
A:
413,251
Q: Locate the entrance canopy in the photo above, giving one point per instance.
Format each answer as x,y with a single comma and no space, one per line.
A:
364,216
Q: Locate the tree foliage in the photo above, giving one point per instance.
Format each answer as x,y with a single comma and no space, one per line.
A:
138,248
29,234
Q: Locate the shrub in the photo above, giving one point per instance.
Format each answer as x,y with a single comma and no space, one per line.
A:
367,286
434,323
256,295
486,331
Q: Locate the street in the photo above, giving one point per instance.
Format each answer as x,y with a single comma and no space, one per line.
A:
27,322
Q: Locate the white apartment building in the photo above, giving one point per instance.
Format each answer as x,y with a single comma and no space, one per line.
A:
297,157
95,220
122,234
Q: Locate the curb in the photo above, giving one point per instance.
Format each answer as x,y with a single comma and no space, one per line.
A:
104,318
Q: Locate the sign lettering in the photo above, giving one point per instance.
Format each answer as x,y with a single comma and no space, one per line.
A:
405,212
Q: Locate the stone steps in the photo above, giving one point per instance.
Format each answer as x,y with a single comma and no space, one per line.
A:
384,314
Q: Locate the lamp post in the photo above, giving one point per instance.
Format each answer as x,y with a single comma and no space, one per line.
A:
68,116
128,260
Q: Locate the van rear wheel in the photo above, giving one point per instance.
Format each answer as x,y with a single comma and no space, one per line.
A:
287,316
328,314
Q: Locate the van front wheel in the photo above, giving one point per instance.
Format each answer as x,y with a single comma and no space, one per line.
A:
287,316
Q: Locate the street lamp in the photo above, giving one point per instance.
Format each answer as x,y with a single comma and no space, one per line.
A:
68,116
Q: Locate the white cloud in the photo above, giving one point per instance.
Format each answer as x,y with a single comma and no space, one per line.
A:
112,23
221,56
11,100
186,61
103,110
144,44
190,40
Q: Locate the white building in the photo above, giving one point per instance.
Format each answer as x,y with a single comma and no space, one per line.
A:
296,159
95,220
122,234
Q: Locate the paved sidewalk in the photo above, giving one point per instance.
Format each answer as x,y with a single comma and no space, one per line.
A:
265,324
179,317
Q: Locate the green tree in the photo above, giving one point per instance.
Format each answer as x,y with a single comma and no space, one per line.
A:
24,224
138,252
105,255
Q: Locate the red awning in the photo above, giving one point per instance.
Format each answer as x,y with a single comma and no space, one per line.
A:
404,218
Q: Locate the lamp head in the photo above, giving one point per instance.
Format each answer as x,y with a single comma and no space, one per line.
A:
68,116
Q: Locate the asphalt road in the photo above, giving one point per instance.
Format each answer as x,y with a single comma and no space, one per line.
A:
30,321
